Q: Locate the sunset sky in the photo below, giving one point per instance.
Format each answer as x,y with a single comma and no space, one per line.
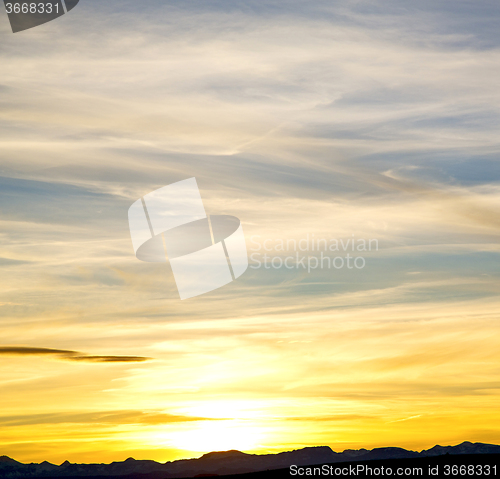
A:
334,119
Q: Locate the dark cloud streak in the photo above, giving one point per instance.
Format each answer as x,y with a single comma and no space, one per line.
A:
68,355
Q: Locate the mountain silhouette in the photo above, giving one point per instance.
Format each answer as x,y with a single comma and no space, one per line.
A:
227,462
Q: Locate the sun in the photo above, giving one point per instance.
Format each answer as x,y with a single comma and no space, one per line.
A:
217,426
219,435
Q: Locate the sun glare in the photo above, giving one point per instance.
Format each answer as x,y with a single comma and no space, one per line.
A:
216,409
216,435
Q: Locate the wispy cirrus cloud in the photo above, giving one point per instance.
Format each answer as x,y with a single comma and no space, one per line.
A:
373,118
99,417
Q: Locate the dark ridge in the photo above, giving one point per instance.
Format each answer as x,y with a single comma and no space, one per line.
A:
236,462
6,460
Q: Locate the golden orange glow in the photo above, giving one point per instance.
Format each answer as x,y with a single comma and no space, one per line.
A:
300,125
220,436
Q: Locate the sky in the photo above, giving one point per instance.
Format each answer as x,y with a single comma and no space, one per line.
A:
344,121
